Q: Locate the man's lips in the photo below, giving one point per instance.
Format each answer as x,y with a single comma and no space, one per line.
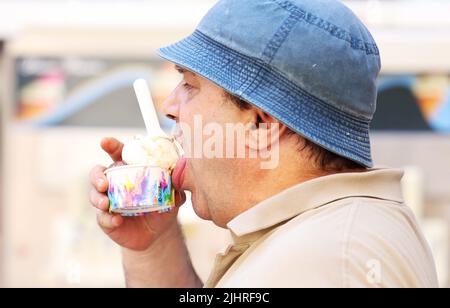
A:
178,173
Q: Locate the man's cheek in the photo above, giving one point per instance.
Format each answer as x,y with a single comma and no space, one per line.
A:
184,134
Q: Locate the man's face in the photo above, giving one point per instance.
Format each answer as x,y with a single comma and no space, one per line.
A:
196,103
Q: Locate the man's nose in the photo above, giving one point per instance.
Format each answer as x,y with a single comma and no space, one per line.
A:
171,106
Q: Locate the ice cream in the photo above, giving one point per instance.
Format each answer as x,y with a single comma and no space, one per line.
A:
152,151
144,183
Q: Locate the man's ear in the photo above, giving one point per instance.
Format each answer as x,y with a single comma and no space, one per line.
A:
265,131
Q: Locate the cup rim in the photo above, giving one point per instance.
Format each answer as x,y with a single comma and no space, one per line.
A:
109,170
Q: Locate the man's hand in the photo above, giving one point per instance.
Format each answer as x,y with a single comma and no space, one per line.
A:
134,233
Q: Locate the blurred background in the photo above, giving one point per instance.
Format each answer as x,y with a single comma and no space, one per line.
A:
66,69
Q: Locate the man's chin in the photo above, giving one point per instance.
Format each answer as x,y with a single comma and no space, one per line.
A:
201,211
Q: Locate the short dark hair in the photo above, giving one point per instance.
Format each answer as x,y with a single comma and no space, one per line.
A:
323,158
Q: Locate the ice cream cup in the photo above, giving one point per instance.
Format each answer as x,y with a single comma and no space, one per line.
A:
138,189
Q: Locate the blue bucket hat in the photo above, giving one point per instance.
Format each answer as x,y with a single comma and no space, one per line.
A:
311,64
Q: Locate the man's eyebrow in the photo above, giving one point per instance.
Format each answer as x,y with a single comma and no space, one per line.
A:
182,70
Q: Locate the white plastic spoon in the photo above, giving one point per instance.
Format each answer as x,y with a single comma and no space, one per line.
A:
148,109
149,113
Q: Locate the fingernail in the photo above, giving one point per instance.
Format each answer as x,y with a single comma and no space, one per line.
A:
100,202
100,182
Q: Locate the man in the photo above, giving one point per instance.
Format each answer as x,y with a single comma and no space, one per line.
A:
320,217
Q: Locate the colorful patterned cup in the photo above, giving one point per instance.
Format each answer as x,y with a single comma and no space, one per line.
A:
138,189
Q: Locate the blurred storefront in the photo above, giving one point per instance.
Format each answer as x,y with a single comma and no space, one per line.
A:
66,83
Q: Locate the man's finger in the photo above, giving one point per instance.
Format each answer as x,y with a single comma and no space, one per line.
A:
108,222
113,147
98,200
98,179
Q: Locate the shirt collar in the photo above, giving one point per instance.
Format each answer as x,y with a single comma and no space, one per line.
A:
376,183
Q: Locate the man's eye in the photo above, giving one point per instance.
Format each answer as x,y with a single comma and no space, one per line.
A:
187,86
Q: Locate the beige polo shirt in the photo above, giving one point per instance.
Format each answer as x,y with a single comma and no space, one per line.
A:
344,230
